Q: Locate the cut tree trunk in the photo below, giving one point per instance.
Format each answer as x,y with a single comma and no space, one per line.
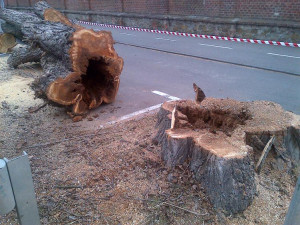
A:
40,7
17,18
90,57
213,137
23,55
81,66
11,29
46,12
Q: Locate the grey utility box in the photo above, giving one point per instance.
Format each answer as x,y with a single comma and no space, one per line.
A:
17,191
7,200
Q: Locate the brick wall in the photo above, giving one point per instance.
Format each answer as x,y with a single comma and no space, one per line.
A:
268,9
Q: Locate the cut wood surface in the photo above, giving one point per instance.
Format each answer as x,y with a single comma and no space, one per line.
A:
214,139
81,66
7,42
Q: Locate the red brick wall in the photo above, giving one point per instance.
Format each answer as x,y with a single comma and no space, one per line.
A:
268,9
106,5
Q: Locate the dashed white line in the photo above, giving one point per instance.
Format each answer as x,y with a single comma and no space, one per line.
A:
164,39
289,56
216,46
128,34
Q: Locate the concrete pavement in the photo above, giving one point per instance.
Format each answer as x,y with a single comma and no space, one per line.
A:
174,74
171,64
273,58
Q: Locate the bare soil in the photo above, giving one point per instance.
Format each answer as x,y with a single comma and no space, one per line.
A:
113,174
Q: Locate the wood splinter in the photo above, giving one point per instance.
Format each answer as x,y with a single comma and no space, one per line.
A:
264,154
174,120
200,96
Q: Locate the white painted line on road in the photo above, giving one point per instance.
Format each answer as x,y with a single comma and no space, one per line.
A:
128,34
165,39
151,108
216,46
289,56
128,116
172,98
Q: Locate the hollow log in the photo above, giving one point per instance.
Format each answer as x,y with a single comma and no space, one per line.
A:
90,57
81,67
214,138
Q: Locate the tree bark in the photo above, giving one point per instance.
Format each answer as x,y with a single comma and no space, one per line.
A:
11,29
53,38
40,7
17,18
23,55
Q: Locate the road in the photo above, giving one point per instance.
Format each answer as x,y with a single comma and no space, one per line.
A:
171,64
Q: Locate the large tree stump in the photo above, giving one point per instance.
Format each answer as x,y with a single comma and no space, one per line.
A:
214,138
81,66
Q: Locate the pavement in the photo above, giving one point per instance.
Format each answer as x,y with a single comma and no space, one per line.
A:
274,58
170,64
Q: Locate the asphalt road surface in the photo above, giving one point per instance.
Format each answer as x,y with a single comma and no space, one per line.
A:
170,64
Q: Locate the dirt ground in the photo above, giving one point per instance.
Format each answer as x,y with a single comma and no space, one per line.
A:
113,174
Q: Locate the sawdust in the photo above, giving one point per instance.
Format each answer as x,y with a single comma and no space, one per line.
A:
114,175
17,93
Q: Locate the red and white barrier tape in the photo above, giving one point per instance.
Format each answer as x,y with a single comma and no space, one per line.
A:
196,35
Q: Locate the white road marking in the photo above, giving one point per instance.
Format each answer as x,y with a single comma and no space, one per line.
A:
289,56
216,46
128,116
172,98
151,108
128,34
165,39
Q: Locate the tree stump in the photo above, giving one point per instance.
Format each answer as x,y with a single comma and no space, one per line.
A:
214,138
81,67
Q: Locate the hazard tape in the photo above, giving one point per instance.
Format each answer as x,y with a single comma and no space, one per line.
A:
253,41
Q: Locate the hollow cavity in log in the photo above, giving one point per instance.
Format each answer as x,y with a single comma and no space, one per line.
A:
96,68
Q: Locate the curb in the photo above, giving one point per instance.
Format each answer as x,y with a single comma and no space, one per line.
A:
253,41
